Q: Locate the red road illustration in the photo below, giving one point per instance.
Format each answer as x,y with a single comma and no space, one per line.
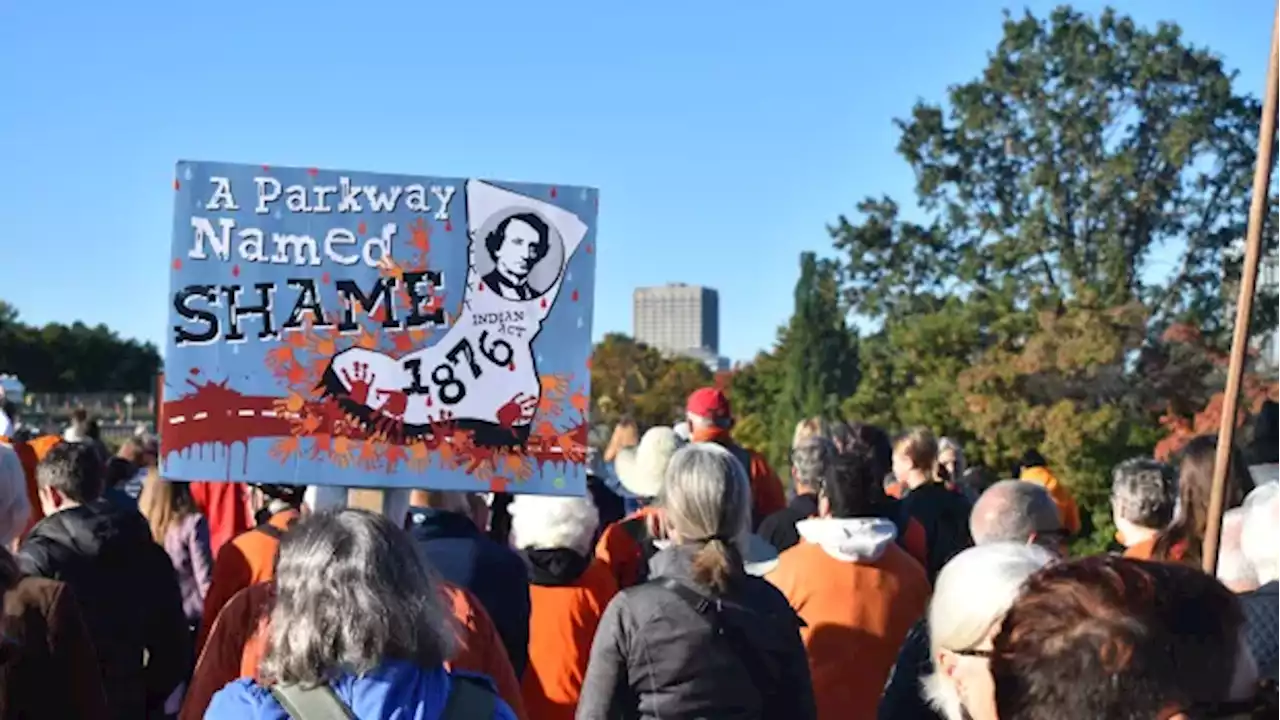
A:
217,415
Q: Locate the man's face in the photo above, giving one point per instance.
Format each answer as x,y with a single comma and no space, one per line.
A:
515,257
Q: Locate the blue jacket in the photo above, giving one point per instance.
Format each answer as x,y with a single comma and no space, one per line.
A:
494,573
397,689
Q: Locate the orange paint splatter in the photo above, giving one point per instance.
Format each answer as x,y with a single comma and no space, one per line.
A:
361,228
176,184
498,484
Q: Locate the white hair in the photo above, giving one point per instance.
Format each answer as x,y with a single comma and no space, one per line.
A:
1260,537
544,522
970,598
1234,569
15,506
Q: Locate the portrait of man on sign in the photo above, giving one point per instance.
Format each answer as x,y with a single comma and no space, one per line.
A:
516,246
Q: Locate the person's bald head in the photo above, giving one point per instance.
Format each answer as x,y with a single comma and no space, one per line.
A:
1016,511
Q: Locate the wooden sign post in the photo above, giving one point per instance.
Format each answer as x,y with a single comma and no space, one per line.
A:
1244,308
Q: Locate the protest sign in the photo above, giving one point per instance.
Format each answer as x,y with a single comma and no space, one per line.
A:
369,330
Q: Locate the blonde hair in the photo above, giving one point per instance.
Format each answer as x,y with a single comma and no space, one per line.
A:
625,435
164,503
920,447
810,428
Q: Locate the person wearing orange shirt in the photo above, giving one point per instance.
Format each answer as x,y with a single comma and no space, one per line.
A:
1036,470
858,592
569,590
1144,494
238,640
626,546
250,558
711,420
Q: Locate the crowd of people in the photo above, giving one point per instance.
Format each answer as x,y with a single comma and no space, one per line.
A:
685,584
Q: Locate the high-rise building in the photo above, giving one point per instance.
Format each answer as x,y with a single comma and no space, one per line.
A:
678,319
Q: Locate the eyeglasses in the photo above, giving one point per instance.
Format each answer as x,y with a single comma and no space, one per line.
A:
1265,703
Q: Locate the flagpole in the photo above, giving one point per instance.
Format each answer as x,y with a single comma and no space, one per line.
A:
1244,307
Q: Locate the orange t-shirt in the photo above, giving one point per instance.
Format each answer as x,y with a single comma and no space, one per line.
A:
1144,549
249,558
620,553
238,641
561,627
857,615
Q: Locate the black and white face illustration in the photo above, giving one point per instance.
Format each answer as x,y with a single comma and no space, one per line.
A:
515,247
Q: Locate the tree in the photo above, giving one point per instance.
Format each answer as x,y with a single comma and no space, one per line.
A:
811,368
1085,147
1020,306
74,358
631,379
821,351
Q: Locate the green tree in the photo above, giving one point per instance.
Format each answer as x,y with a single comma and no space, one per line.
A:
1021,302
821,352
631,379
74,358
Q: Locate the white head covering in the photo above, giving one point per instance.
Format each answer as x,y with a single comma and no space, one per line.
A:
641,469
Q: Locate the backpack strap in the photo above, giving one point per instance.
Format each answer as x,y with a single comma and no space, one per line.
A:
470,698
311,703
270,530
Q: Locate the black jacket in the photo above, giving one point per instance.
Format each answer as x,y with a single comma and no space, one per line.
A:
944,515
655,656
127,592
780,527
903,698
493,573
1262,626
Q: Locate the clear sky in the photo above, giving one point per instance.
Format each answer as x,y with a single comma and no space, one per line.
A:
723,136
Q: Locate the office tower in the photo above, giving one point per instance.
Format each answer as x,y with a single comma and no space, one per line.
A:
678,319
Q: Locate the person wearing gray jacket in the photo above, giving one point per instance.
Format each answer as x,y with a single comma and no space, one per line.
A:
702,638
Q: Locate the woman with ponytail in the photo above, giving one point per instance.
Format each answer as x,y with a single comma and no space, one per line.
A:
701,638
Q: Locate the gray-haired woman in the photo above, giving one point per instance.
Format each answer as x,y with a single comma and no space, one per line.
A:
358,622
702,638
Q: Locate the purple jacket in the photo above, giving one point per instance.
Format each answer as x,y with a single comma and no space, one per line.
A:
187,543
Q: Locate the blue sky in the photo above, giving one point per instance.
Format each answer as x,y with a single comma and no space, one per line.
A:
723,135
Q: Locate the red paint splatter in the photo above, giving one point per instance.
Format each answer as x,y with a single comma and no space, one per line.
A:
177,263
498,484
574,296
176,184
235,271
553,191
588,362
543,303
448,226
588,248
194,371
324,278
511,366
313,172
361,228
428,400
479,287
266,168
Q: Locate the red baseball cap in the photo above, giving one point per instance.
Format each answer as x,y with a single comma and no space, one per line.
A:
709,403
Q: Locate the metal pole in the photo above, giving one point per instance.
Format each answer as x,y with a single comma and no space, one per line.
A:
1244,308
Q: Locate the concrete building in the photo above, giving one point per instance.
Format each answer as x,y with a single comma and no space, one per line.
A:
679,319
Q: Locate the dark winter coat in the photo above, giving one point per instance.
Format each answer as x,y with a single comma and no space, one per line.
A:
655,656
128,595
